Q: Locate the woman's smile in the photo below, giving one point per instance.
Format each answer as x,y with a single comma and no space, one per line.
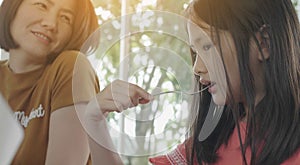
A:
42,37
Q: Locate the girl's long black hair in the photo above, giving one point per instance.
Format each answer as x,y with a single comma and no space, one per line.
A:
273,125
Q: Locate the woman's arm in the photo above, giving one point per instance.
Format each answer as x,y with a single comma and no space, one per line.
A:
99,139
72,128
68,142
117,96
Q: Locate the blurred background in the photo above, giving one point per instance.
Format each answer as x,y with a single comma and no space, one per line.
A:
143,58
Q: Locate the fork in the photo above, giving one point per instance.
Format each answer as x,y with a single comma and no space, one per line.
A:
155,93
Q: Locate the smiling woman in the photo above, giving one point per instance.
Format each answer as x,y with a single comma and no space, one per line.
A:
43,39
40,28
40,37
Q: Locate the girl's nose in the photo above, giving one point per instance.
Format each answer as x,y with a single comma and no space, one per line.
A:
199,67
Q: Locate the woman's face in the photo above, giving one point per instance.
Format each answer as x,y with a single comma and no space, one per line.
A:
43,27
209,65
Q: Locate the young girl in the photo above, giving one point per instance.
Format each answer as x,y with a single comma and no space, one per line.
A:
43,38
259,46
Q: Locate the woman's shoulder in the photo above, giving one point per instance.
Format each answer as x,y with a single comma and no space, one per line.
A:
3,63
3,66
68,60
69,57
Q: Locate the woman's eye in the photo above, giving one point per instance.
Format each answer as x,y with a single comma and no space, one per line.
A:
41,5
66,19
207,47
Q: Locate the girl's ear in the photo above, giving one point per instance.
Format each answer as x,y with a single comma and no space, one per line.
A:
264,43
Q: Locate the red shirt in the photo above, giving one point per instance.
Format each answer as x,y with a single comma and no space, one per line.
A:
228,155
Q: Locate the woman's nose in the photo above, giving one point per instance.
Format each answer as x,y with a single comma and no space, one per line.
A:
199,67
49,22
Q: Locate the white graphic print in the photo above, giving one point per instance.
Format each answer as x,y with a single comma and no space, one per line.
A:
35,113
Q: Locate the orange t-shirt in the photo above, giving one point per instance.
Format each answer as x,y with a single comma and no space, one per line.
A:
34,95
228,155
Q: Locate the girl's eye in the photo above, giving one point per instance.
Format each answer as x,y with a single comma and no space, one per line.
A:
193,52
41,5
194,55
207,47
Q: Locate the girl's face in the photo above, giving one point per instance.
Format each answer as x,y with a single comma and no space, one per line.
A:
43,27
209,65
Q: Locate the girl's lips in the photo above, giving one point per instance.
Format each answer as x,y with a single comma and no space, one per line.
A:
205,82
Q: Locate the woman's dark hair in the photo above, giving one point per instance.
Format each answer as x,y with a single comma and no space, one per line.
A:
273,125
8,11
86,22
